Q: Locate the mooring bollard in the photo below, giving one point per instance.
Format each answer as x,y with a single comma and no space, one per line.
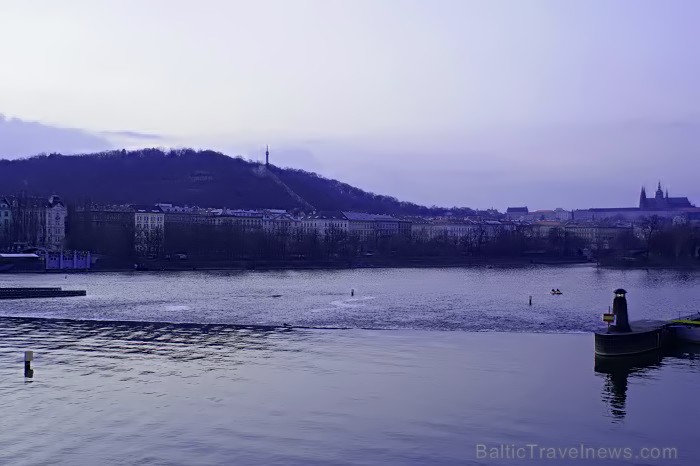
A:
28,358
352,292
530,300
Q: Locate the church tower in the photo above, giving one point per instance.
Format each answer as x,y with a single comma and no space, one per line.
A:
643,198
659,192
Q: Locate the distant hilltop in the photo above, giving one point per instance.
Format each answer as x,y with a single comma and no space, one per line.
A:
192,177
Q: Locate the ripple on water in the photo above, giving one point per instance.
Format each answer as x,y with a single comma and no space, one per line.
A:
164,393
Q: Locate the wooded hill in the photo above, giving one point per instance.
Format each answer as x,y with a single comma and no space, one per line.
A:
189,177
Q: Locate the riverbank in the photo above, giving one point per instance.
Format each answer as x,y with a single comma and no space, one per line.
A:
365,263
643,264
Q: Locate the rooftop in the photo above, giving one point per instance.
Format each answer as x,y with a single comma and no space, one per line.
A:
328,215
149,209
361,216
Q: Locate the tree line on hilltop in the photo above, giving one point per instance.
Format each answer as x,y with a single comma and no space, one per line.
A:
191,177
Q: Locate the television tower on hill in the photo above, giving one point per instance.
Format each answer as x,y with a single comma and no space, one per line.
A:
267,156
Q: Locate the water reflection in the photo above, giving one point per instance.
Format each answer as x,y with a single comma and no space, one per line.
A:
618,370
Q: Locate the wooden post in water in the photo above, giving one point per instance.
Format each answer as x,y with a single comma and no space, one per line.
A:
352,292
530,303
28,358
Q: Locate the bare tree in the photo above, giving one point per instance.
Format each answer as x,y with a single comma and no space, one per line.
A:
650,227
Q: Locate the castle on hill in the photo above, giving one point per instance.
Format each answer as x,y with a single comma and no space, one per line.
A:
662,202
661,205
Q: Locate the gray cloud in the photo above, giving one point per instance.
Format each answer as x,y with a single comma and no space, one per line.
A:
20,138
135,135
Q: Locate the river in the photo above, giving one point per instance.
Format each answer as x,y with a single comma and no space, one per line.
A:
420,366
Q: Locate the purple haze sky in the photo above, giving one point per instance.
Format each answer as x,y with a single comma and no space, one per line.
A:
475,103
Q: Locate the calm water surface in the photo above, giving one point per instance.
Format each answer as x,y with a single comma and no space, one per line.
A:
194,368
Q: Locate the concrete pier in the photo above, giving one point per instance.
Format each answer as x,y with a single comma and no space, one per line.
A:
643,336
625,338
28,293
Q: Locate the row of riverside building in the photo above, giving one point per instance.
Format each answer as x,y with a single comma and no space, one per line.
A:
363,226
42,223
29,222
160,218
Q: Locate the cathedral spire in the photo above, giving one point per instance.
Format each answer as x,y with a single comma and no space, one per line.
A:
643,198
659,192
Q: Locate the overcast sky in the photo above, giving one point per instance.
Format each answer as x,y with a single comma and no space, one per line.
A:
474,103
